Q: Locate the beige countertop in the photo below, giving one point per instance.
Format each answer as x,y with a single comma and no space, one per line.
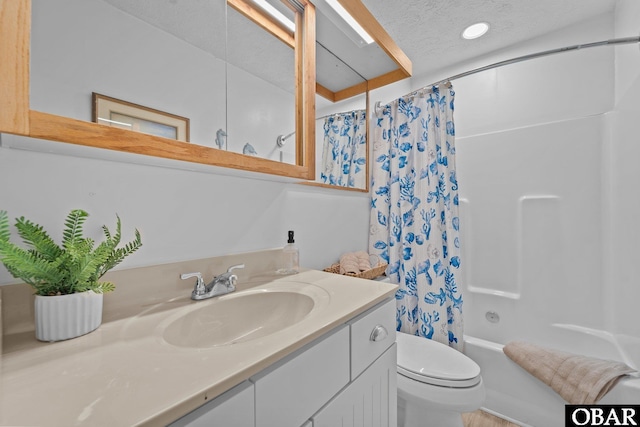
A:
126,374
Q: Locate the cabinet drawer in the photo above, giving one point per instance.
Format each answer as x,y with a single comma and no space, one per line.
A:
371,334
288,393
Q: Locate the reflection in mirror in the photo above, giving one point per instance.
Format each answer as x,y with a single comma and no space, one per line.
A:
349,64
344,151
126,115
341,127
260,91
164,55
151,53
341,143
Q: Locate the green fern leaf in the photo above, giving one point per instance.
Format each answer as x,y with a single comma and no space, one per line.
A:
73,227
118,255
35,236
5,234
79,248
33,270
106,232
103,287
102,252
115,239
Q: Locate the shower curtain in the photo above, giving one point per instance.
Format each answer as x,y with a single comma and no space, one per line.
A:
344,150
414,224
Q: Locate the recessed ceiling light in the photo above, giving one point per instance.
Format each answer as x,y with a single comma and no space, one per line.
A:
476,30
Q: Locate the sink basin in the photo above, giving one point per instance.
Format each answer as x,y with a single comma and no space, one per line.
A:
238,318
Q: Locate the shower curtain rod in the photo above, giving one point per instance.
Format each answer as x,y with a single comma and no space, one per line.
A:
282,138
622,40
344,112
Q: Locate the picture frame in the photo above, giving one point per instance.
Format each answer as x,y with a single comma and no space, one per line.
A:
138,118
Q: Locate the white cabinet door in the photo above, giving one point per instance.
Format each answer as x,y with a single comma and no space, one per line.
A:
369,401
233,408
290,392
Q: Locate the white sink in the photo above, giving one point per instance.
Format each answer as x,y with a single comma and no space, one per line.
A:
220,323
238,318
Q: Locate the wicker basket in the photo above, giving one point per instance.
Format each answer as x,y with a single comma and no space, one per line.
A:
367,274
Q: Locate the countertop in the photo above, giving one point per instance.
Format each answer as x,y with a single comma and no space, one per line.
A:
125,374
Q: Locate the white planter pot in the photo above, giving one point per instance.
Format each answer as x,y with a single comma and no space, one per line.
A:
67,316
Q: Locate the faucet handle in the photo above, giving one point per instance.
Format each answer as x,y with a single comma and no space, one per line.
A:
231,278
234,267
200,288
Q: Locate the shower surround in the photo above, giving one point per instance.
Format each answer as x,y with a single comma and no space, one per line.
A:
547,165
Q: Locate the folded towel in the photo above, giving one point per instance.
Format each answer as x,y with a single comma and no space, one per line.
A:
577,379
349,263
363,260
354,262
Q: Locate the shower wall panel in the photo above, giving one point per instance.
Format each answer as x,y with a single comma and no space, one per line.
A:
624,197
531,228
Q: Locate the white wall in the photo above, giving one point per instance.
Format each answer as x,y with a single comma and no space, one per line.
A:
181,214
623,200
183,211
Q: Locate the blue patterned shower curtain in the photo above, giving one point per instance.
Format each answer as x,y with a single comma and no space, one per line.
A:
345,149
414,222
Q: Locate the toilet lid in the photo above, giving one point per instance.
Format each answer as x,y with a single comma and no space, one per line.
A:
434,363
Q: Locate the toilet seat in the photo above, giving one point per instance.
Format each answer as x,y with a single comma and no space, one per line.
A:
434,363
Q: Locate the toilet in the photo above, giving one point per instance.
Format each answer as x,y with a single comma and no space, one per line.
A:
436,383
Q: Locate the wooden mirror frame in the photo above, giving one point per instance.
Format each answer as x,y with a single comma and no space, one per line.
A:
380,36
16,116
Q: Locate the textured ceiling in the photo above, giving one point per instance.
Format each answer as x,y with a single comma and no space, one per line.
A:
429,31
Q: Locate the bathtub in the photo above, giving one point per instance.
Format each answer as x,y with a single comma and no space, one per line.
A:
515,395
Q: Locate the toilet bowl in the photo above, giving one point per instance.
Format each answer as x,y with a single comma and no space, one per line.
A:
436,383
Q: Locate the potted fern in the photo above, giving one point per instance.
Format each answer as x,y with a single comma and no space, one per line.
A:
66,278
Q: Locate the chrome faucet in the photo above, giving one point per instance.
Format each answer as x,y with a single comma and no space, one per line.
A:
220,285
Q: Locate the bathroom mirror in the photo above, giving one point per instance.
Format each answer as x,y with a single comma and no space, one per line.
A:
169,74
30,104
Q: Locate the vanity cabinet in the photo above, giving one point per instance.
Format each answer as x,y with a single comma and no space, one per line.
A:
370,399
345,378
288,393
233,408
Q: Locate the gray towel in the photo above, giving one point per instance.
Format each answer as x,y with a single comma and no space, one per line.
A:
577,379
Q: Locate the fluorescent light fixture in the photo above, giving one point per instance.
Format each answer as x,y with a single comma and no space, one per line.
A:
276,14
476,30
349,20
